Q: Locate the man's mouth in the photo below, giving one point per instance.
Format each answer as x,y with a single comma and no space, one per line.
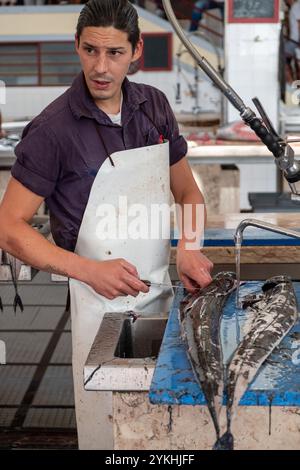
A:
101,84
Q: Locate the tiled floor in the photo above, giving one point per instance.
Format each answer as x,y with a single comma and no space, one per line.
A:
36,390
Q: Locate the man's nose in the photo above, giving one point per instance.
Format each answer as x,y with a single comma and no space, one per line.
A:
101,64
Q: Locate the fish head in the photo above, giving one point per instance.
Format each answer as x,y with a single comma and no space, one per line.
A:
251,299
222,284
225,282
275,281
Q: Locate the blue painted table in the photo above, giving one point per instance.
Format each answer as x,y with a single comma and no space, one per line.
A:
277,382
252,237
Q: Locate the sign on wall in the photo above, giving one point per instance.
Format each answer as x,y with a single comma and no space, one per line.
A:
253,11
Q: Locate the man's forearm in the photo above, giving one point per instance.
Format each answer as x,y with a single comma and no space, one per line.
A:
28,245
192,218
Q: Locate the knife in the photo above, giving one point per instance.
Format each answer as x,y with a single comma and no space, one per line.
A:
157,284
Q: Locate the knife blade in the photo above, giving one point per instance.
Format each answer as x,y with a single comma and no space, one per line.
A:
157,284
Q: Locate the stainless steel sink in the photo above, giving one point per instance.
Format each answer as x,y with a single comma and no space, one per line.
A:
141,339
124,352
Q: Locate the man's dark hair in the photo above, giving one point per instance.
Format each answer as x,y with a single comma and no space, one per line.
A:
117,13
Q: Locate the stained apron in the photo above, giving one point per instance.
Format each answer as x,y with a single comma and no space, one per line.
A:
142,176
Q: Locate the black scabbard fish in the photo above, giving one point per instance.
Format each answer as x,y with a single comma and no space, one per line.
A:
200,319
272,314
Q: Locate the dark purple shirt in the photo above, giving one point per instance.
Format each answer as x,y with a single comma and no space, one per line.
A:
63,148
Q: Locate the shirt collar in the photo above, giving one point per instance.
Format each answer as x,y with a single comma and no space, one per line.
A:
83,105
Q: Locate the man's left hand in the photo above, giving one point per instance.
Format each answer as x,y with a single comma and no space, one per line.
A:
193,269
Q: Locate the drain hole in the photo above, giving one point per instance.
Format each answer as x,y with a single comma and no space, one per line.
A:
141,339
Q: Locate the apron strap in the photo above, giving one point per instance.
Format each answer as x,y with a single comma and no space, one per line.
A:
161,137
103,143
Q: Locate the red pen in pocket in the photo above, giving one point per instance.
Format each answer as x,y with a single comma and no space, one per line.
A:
161,139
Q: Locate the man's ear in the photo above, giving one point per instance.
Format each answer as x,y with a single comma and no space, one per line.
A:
138,50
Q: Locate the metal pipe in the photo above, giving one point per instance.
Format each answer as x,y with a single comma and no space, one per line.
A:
238,237
226,89
283,153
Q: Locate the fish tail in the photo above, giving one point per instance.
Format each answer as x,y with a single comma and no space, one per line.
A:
225,442
18,302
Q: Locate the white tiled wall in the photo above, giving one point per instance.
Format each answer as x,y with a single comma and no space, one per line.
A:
256,178
252,70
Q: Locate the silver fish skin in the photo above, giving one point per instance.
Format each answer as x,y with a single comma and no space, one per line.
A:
274,313
200,319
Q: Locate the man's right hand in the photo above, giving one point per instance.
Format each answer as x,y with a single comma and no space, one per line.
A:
114,278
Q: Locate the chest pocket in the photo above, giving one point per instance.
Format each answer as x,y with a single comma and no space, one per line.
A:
153,136
155,132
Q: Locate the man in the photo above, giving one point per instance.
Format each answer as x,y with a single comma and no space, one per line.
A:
200,7
103,139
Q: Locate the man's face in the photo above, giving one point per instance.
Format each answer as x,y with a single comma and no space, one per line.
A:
105,55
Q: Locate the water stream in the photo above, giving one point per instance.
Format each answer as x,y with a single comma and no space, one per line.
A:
238,273
238,304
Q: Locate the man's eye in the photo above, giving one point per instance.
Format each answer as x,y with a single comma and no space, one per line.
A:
115,52
89,50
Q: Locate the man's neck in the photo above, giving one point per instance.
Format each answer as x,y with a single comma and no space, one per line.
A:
110,106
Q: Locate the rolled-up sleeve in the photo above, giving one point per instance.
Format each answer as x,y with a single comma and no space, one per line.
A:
37,166
178,145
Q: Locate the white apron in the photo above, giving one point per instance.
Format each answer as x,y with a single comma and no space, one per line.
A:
141,175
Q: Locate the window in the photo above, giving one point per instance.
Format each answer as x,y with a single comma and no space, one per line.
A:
56,63
19,64
38,64
59,63
157,52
